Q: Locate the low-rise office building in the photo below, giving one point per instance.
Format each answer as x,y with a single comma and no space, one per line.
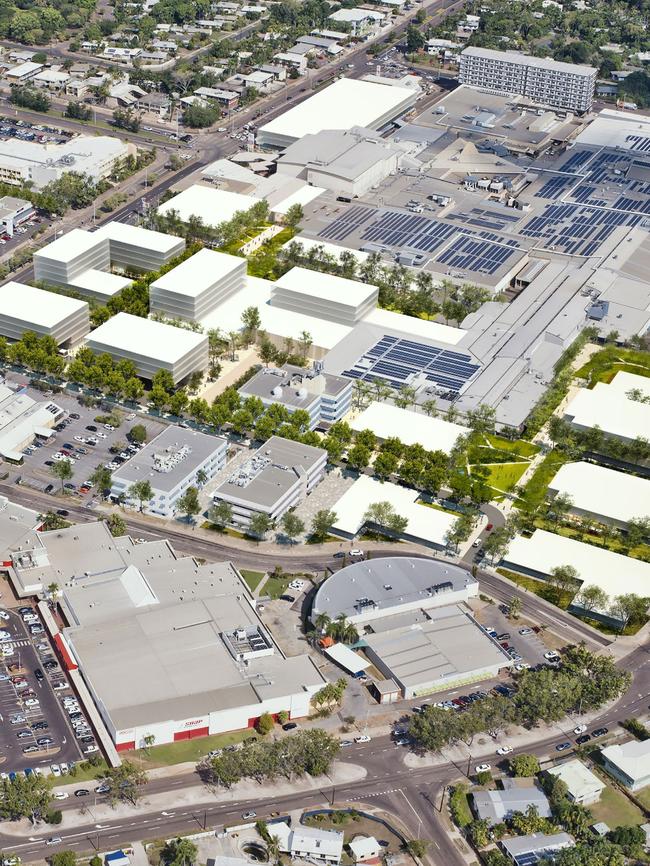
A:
199,284
610,407
167,648
603,494
96,156
170,463
360,22
83,260
279,476
213,206
629,763
387,421
548,82
151,346
13,212
325,397
325,296
24,308
583,786
22,419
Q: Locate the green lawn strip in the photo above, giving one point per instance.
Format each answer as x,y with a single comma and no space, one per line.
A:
222,530
641,551
437,507
184,750
644,796
485,454
539,587
603,366
252,578
276,586
504,476
536,488
83,773
518,446
616,810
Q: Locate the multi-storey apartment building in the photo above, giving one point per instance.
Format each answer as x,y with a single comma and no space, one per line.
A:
548,82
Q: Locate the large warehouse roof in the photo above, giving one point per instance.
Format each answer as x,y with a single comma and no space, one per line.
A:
198,273
390,583
612,572
155,340
609,407
426,524
36,306
606,492
328,287
387,421
346,103
213,206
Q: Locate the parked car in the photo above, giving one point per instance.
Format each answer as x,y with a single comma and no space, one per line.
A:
482,768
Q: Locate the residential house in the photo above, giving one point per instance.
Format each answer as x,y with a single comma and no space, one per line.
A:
496,806
584,787
629,763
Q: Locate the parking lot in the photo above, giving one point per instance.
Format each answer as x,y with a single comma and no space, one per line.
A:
34,729
77,441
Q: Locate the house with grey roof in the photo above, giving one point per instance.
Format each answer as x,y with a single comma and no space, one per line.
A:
516,796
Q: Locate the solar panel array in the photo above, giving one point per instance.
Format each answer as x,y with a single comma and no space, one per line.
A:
480,256
399,229
577,230
399,361
555,186
349,221
639,143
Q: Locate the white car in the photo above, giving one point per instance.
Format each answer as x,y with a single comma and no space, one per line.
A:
4,614
580,729
60,795
482,768
504,750
56,770
32,702
364,738
79,438
109,427
53,840
525,630
356,552
101,435
7,650
551,656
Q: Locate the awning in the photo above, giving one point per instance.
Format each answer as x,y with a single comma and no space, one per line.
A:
347,659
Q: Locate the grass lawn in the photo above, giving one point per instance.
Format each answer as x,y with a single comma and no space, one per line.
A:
615,809
184,750
276,586
539,587
504,476
538,485
437,507
644,796
252,578
84,773
518,446
222,530
603,366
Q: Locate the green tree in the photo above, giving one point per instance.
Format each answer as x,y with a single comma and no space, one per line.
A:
564,577
63,858
292,525
417,848
125,782
137,434
63,471
383,515
221,514
102,479
78,111
321,523
592,598
293,216
524,765
141,491
24,797
265,724
358,457
259,524
189,504
116,525
179,852
251,321
479,832
414,39
514,607
200,116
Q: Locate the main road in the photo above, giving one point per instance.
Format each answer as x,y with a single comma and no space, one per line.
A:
412,793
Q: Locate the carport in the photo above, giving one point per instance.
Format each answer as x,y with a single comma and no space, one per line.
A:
345,658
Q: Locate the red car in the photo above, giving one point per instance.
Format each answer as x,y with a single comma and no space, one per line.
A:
489,527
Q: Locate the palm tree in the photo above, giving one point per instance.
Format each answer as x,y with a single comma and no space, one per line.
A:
322,622
233,338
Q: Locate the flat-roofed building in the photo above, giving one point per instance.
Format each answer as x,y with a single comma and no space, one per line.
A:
198,285
583,786
213,206
170,463
82,260
324,295
165,646
151,346
326,398
609,407
607,495
387,421
629,763
546,81
360,22
24,308
535,847
279,476
13,212
22,420
611,572
346,103
310,843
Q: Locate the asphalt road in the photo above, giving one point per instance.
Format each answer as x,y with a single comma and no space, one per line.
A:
412,794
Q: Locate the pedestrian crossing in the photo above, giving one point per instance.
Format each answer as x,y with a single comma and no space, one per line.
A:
381,793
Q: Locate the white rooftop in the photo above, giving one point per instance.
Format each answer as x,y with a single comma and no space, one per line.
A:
213,206
70,245
132,334
351,16
326,286
603,491
612,128
346,103
146,238
386,420
275,320
609,407
100,282
528,60
415,327
303,195
38,307
578,778
197,273
633,758
428,524
612,572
